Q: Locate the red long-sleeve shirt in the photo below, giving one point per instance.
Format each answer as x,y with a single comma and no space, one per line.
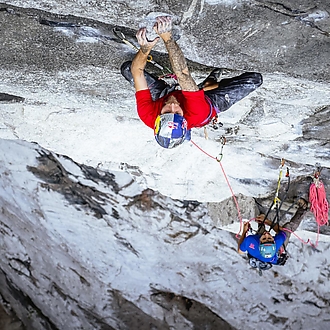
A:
196,109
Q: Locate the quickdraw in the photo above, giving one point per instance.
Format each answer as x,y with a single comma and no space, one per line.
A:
215,123
277,202
276,199
223,142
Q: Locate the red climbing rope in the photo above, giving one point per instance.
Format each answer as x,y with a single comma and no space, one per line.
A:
301,240
218,159
319,204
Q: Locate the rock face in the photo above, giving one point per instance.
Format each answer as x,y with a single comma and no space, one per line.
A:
64,62
88,281
87,246
87,249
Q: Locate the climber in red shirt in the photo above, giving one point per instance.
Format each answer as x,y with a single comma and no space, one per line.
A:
172,112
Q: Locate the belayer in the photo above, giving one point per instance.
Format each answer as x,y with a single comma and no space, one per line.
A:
172,113
263,246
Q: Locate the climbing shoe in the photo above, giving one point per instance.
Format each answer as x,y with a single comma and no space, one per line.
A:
214,75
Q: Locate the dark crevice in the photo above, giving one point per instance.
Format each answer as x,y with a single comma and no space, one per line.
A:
194,311
29,305
86,27
301,15
9,98
56,178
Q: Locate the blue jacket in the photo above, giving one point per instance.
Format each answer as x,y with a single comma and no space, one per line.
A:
251,244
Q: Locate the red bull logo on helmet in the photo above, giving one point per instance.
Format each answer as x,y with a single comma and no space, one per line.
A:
170,130
172,125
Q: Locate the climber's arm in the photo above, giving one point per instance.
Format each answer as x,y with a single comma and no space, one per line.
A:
140,60
241,239
178,62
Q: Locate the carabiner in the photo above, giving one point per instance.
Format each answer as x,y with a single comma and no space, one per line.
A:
120,35
219,157
223,140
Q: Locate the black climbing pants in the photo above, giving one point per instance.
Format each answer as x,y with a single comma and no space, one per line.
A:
228,92
232,90
158,87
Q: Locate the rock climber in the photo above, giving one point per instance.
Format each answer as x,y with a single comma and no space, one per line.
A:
171,113
265,247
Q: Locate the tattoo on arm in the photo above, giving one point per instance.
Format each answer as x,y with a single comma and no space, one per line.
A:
145,50
179,66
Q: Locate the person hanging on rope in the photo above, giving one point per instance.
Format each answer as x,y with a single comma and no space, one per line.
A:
171,113
265,247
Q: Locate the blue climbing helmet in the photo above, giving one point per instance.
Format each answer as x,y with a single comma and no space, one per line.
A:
171,130
267,250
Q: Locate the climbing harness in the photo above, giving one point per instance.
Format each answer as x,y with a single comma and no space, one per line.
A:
277,202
